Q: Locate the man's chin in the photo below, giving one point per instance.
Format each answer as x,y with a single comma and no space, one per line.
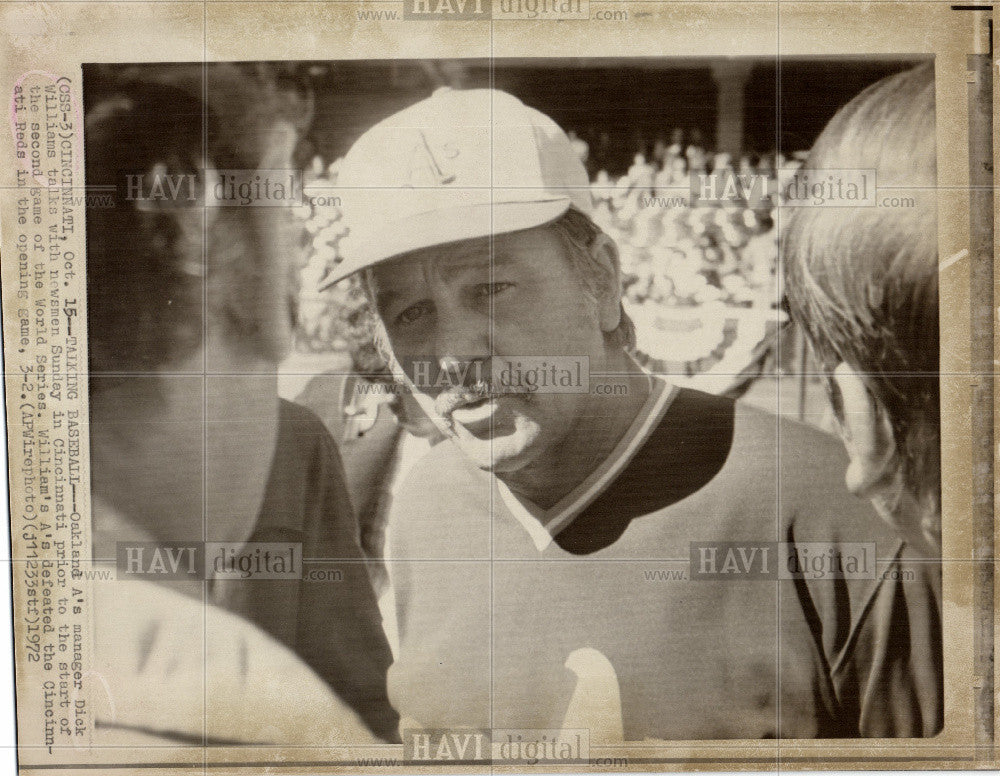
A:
499,454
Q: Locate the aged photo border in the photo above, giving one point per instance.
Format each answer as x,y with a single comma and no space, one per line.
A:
959,40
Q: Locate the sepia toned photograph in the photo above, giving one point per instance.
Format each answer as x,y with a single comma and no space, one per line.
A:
521,411
482,390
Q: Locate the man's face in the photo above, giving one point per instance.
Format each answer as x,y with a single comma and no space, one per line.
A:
472,307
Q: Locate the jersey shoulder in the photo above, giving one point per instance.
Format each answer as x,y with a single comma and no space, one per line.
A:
306,487
802,468
300,426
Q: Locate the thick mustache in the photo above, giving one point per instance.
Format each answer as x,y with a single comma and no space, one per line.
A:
453,398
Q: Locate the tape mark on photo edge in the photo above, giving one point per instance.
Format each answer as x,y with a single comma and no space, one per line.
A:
952,259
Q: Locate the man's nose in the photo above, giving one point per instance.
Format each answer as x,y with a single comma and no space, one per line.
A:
462,340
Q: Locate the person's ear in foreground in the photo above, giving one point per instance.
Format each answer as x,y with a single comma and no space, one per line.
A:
863,284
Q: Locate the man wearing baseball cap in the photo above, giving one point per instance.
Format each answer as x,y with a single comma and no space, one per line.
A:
594,548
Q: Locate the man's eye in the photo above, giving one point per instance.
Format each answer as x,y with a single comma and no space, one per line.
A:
492,289
412,313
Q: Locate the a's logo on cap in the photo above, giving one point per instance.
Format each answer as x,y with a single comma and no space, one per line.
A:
425,169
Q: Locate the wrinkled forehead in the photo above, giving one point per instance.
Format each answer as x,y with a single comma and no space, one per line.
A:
439,258
451,260
392,278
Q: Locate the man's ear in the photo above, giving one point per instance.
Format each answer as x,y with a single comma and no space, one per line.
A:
609,295
867,435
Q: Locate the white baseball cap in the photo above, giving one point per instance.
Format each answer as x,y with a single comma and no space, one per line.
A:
458,165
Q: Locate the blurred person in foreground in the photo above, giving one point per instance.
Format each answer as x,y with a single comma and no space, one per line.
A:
380,432
535,553
190,310
863,284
